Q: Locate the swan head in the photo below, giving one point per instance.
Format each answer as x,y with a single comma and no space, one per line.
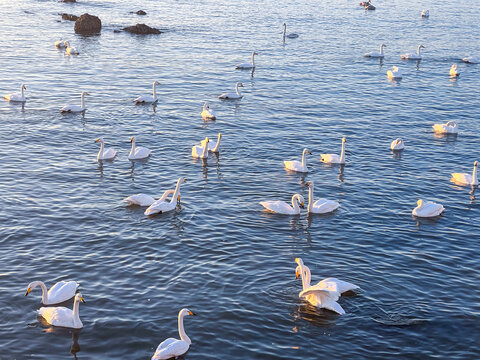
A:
284,25
475,163
206,105
185,312
100,140
219,136
398,141
344,140
254,53
24,87
32,286
298,271
182,180
383,45
85,93
79,298
306,151
239,84
309,184
421,46
420,202
207,140
157,82
300,199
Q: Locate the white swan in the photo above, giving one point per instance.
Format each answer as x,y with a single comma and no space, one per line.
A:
75,108
454,71
207,113
290,36
139,152
60,292
296,165
321,206
70,50
147,200
425,14
375,54
232,95
161,206
334,158
201,151
427,209
466,179
62,316
213,145
171,348
416,56
397,145
105,153
60,44
17,97
471,60
247,66
148,99
394,73
281,207
450,127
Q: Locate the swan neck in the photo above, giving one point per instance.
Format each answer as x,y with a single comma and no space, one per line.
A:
236,89
181,330
418,50
76,311
205,150
310,197
308,277
132,150
381,49
100,153
474,176
44,291
175,193
253,59
342,154
22,90
304,158
83,101
154,90
218,143
295,206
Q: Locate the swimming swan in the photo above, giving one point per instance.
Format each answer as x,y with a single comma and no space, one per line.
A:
375,54
70,50
60,44
171,348
450,127
201,151
147,200
334,158
161,205
297,165
321,206
17,97
60,292
281,207
427,209
454,71
467,179
425,14
207,113
75,108
137,153
148,99
397,145
232,95
471,60
395,73
290,36
105,153
62,316
416,56
247,66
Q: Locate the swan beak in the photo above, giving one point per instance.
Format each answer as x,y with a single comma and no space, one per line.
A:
301,205
83,301
308,183
191,313
309,152
98,140
28,291
297,274
131,139
87,93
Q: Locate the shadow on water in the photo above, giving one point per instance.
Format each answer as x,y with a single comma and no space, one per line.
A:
445,137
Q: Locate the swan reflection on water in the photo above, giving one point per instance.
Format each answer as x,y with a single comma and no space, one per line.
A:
63,333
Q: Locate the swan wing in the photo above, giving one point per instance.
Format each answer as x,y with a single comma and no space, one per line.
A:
58,316
160,206
330,158
197,151
62,291
462,178
322,300
145,99
109,153
328,289
140,200
295,165
14,97
72,108
322,206
340,285
243,66
172,349
280,207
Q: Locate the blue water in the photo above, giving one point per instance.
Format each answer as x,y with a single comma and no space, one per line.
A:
220,255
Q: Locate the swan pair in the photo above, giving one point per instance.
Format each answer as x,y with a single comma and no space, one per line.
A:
201,151
147,200
285,35
17,97
397,145
161,205
454,71
375,54
334,158
325,293
416,56
232,95
427,209
450,127
136,152
148,99
246,65
467,179
171,348
208,113
395,73
70,108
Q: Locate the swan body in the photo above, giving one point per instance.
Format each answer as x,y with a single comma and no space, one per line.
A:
375,54
60,292
137,153
213,145
147,200
201,151
395,73
290,36
467,179
62,316
416,56
17,97
425,14
281,207
427,209
321,206
105,153
334,158
299,166
232,95
161,205
369,6
171,348
148,99
397,145
207,113
471,60
60,44
454,71
70,50
450,127
247,66
75,108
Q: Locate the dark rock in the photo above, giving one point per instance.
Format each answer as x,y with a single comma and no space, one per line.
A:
116,31
69,17
68,1
142,29
141,12
88,24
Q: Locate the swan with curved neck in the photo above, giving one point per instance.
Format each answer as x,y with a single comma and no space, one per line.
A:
397,145
290,36
454,71
427,209
321,206
147,200
171,348
334,158
60,292
208,113
467,179
70,50
375,54
75,108
62,316
450,127
201,151
247,66
281,207
298,166
139,152
232,95
416,56
148,99
394,73
161,206
17,97
105,153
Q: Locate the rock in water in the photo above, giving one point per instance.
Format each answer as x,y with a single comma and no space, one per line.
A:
69,17
141,12
88,24
68,1
142,29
